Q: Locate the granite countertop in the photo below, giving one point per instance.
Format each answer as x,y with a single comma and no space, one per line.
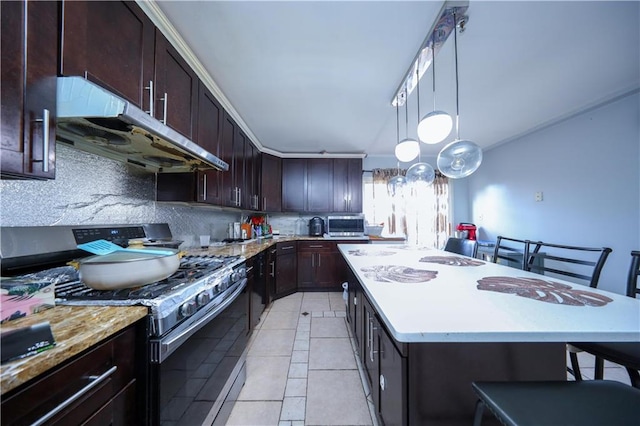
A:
75,328
429,295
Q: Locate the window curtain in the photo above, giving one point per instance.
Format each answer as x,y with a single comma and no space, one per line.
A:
389,209
427,210
419,212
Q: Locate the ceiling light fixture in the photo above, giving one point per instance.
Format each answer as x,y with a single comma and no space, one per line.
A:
420,173
460,158
407,149
436,125
431,45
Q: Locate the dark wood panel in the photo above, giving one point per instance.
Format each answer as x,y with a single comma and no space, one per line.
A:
209,133
319,185
347,185
294,184
271,183
111,43
177,88
286,274
29,46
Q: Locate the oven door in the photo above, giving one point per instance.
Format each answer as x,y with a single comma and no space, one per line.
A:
200,363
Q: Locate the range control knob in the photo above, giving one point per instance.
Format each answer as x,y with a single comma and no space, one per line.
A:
203,298
235,277
224,284
187,309
242,272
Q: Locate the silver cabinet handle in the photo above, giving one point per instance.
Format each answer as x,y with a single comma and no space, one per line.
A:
316,246
151,97
287,248
273,269
45,140
239,197
319,260
166,101
264,203
249,269
204,186
313,260
95,381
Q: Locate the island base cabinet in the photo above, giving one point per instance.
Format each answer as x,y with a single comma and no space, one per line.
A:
440,374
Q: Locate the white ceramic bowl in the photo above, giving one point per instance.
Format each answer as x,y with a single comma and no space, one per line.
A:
374,230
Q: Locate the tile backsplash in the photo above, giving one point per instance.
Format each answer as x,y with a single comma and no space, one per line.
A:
89,189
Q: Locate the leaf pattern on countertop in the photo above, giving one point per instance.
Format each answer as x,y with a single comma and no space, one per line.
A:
360,252
400,274
452,260
544,291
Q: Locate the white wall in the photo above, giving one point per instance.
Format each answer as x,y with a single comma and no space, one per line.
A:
588,168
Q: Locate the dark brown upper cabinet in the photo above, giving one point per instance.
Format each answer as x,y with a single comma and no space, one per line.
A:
307,185
110,43
29,48
347,185
271,183
176,88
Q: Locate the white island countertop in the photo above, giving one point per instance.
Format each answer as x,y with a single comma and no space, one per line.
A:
421,300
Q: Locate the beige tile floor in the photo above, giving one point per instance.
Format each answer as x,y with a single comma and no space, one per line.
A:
302,368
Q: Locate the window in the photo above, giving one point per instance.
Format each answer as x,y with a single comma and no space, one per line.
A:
421,213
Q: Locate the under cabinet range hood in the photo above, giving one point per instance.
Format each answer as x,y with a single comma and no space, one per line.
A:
92,119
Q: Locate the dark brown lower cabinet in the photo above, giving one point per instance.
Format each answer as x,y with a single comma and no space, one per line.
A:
286,281
114,368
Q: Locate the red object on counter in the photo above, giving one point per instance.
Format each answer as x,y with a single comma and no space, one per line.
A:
470,228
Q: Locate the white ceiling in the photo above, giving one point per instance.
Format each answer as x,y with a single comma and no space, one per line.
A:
307,77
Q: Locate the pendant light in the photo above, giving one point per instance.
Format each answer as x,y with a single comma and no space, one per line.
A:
396,185
420,173
407,149
460,158
436,125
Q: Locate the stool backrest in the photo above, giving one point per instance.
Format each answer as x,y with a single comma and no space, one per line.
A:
579,263
462,246
511,251
633,289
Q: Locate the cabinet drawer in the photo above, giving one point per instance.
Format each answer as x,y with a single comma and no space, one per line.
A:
286,248
110,365
316,246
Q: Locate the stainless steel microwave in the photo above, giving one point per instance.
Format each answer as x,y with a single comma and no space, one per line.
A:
345,226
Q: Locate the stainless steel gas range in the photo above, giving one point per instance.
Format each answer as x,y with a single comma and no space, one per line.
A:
198,316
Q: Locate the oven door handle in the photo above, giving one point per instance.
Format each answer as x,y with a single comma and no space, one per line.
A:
171,342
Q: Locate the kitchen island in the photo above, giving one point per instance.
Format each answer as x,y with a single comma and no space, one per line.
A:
429,322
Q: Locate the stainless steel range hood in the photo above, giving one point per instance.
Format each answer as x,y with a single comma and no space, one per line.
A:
94,120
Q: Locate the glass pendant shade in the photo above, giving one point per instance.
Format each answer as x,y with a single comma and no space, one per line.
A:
396,185
459,159
421,173
407,150
435,127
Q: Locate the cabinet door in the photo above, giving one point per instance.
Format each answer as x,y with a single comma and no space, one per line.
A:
176,91
347,185
306,269
391,382
370,350
319,185
209,132
228,189
326,274
294,184
286,267
271,183
112,44
251,179
270,272
239,171
28,98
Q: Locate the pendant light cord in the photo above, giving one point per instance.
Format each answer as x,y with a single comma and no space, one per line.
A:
398,129
418,96
455,44
433,66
